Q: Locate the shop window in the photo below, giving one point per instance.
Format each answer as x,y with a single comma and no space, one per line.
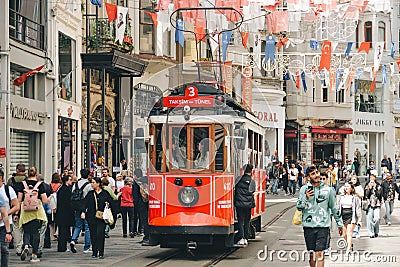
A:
367,100
67,143
66,48
146,28
27,89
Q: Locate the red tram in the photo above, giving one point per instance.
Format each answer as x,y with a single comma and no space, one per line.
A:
200,139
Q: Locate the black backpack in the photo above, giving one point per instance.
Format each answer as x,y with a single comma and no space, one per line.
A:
77,196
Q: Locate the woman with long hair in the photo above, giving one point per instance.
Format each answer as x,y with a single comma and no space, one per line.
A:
94,202
350,207
31,220
373,192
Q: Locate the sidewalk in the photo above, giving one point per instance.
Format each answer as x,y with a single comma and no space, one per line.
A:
381,251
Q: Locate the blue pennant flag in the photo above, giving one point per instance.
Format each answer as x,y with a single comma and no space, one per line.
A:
269,49
338,75
303,79
348,49
392,50
359,71
96,3
226,38
384,79
314,45
286,77
179,36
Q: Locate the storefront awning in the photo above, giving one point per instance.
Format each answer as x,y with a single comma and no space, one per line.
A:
325,130
290,134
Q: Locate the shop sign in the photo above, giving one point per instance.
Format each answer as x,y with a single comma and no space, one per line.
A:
26,114
367,122
270,116
328,137
3,152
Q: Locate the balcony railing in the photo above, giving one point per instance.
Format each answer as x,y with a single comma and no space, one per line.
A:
25,30
106,36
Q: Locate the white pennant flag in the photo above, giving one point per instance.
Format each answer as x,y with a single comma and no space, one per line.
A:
120,24
378,55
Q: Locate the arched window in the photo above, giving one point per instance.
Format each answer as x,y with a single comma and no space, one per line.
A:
368,32
382,32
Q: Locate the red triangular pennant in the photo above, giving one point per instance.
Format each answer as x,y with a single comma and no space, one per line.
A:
111,12
245,37
364,46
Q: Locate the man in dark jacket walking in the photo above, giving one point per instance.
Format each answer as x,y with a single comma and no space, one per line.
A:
389,190
244,202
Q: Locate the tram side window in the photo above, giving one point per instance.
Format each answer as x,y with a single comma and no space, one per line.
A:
201,147
179,148
219,147
260,151
250,158
159,148
255,151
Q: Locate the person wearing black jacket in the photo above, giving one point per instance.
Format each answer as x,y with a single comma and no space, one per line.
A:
140,205
389,189
64,216
96,201
244,202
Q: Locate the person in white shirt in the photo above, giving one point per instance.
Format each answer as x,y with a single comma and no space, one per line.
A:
293,176
105,172
8,194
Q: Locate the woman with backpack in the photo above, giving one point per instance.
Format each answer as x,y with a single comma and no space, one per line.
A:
64,216
95,203
31,195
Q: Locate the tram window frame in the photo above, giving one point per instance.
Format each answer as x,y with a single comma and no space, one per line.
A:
182,147
250,147
194,151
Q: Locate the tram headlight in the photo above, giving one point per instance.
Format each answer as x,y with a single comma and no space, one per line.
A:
188,196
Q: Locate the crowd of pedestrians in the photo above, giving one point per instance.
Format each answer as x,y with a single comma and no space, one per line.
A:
346,202
35,213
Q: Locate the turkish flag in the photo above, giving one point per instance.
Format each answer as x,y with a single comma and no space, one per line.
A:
364,46
326,56
21,79
398,64
282,42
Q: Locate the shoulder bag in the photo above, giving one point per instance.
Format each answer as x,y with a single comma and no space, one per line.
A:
99,214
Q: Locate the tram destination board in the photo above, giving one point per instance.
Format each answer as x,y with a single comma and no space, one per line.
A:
191,99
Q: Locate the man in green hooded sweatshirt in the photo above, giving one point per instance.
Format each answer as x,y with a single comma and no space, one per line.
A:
317,202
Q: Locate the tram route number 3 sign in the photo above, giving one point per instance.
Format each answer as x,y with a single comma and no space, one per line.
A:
191,99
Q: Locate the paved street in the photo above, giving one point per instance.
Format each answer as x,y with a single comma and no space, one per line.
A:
280,235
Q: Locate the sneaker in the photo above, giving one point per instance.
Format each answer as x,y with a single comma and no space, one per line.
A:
124,236
132,235
246,242
94,256
89,250
106,236
389,223
101,257
241,242
25,253
72,246
34,258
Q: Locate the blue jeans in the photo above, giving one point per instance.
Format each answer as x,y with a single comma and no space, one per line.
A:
275,185
4,247
77,230
373,217
389,210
